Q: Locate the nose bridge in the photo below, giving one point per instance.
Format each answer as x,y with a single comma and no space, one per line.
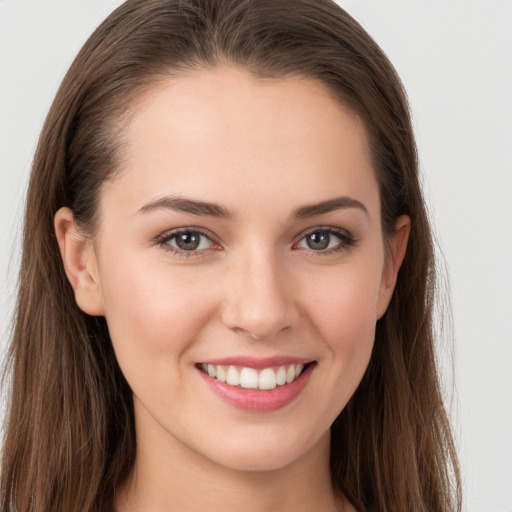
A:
260,302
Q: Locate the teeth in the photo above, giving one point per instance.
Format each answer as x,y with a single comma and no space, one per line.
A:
249,378
267,379
221,374
290,374
281,376
233,376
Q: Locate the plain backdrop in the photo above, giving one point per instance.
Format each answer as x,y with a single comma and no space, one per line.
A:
455,58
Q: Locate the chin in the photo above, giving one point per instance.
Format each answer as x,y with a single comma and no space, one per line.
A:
264,452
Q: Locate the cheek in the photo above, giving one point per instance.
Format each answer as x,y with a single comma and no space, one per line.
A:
149,312
344,316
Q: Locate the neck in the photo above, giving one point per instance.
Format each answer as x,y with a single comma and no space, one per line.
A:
179,479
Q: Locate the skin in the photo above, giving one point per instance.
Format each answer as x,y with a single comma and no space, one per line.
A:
262,149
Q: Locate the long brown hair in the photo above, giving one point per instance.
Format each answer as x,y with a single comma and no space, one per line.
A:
70,436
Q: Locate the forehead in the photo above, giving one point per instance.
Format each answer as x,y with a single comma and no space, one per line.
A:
215,131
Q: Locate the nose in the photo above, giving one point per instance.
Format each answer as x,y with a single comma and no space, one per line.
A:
260,299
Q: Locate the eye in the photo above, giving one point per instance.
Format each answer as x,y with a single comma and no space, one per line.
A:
325,240
186,240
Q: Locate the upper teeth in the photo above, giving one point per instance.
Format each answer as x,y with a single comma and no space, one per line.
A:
249,378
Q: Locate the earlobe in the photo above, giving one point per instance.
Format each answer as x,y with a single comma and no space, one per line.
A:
397,246
80,263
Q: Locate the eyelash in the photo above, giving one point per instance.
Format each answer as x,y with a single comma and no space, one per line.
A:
346,241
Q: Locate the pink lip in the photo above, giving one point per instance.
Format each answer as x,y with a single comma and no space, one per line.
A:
258,400
257,363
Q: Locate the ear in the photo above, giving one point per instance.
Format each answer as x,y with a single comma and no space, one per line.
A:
396,247
80,263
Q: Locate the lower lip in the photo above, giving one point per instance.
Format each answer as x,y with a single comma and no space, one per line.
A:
259,400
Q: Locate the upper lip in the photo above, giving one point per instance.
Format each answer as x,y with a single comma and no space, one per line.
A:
256,362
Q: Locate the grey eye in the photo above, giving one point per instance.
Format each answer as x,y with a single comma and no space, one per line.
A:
324,240
318,240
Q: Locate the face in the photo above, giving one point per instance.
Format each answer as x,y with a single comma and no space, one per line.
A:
240,265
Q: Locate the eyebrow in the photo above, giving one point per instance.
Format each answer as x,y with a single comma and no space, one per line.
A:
338,203
186,205
195,207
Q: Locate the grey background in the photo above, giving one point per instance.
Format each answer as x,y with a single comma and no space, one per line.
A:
455,58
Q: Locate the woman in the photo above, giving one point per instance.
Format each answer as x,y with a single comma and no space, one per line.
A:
226,289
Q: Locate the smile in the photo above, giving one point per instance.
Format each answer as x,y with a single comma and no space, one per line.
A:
251,378
258,385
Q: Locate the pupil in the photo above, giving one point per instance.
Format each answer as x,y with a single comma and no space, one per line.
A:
318,240
188,241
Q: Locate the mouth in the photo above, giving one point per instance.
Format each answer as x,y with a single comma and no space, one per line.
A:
246,377
257,384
